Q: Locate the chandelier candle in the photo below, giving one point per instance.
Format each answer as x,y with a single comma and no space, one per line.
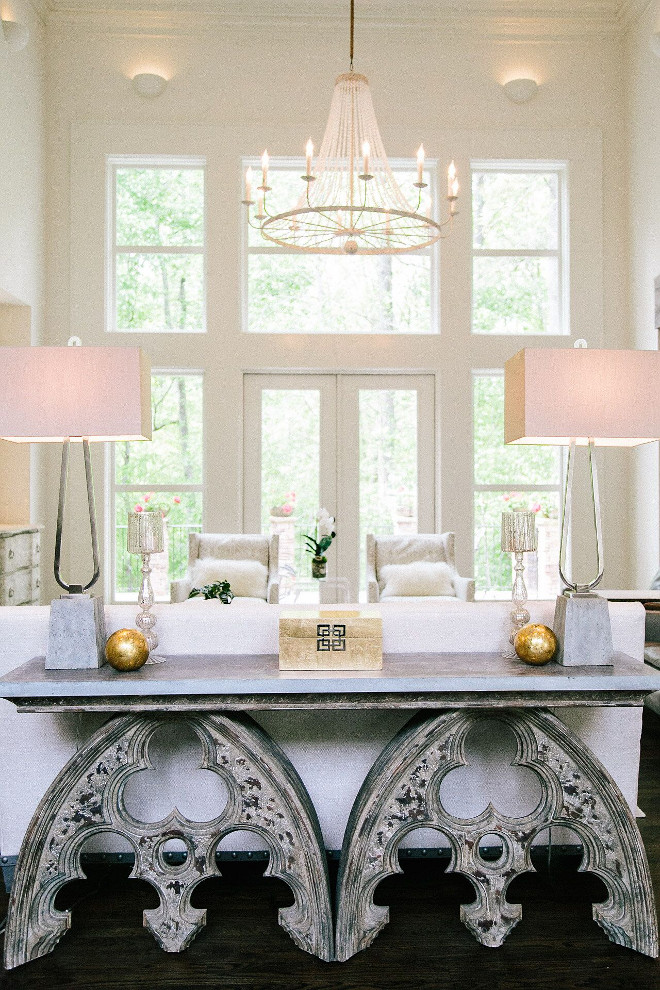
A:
420,167
518,537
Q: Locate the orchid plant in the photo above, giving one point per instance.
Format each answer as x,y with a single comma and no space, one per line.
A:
323,536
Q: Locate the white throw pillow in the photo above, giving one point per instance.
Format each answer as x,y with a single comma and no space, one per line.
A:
247,578
422,577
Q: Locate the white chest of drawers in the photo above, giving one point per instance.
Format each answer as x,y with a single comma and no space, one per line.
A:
20,574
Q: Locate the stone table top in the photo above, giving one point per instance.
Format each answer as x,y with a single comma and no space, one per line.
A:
254,682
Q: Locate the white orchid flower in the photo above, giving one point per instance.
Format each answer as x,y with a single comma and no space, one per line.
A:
324,523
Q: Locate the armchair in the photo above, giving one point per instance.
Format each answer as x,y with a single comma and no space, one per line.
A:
427,548
231,547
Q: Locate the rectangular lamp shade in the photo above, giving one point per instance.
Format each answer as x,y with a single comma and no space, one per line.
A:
49,394
553,396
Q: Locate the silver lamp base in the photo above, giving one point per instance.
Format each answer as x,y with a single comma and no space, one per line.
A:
76,633
582,627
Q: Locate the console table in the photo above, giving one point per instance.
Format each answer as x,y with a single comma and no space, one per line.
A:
450,694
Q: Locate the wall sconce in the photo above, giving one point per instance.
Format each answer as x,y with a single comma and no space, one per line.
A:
149,84
16,35
520,90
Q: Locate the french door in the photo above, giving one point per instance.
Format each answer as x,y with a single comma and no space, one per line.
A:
360,446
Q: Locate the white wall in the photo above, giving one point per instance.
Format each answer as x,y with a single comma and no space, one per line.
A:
22,149
22,167
271,81
643,115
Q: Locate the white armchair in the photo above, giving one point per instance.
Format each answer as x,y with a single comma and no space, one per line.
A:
231,547
427,548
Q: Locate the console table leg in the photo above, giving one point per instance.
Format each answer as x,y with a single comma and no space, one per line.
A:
402,792
266,796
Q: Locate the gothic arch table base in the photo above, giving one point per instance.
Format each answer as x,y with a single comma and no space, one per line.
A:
402,792
87,797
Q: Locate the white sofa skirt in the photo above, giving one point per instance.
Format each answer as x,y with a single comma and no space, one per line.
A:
332,751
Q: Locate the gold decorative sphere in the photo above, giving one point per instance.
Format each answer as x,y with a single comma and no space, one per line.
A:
535,644
126,649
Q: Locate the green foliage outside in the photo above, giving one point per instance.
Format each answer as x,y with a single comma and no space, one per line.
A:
326,294
173,457
514,467
290,458
515,211
388,463
159,207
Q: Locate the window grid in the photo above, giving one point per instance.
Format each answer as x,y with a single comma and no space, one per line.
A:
138,490
113,164
487,538
560,253
401,167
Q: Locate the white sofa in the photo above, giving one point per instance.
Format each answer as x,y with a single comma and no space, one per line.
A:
332,751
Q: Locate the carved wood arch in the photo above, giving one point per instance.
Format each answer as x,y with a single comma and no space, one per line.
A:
265,795
402,791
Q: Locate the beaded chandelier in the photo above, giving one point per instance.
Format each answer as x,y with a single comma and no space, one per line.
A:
351,202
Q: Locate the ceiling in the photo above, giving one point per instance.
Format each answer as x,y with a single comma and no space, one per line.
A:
606,11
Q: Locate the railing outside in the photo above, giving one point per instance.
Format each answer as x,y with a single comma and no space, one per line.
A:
127,568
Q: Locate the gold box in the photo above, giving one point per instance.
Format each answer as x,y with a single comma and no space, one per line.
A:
331,639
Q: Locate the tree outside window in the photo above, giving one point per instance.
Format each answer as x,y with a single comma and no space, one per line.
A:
162,476
514,477
156,268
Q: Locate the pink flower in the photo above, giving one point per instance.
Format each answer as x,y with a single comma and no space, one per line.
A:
287,509
177,500
147,498
138,508
506,498
536,507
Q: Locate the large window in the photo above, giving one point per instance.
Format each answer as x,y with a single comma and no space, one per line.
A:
164,476
519,256
155,270
511,477
290,292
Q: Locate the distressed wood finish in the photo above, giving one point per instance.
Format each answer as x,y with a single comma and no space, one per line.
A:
402,791
404,700
265,795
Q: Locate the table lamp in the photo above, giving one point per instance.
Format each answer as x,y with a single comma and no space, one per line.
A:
576,396
64,395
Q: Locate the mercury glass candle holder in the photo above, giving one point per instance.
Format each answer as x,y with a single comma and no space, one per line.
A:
145,536
518,537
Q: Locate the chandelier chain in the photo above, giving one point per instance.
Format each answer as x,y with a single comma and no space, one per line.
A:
352,29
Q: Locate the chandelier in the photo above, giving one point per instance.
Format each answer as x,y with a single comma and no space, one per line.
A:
351,202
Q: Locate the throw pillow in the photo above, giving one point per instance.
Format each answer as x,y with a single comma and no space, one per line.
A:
422,577
247,578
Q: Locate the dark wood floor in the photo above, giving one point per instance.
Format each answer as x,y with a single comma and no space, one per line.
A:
556,946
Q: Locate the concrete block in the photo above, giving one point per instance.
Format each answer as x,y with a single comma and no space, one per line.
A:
582,627
76,633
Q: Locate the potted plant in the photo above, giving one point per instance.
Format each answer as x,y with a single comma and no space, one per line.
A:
220,589
319,542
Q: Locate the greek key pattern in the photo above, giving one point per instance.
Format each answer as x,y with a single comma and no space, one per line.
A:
331,637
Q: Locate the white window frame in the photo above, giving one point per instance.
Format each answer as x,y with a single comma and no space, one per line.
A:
287,163
114,162
561,252
112,489
510,485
